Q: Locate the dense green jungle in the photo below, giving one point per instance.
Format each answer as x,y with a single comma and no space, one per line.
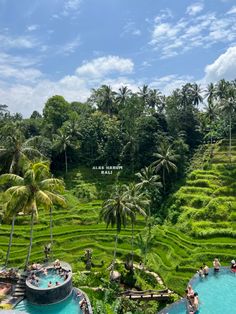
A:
138,185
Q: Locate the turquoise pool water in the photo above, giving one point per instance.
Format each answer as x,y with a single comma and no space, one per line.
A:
176,308
217,292
45,279
69,306
51,276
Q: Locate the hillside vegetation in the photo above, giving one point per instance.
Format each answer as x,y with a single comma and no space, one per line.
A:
206,207
207,201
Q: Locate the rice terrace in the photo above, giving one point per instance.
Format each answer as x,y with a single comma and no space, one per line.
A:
117,159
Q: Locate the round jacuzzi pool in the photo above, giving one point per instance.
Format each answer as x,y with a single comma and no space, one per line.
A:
51,286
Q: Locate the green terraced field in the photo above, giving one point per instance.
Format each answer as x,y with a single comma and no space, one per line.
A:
206,204
205,208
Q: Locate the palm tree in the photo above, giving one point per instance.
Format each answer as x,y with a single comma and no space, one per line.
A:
143,93
149,182
118,209
196,94
136,201
166,159
123,94
210,93
16,148
104,98
10,212
31,191
62,140
227,106
211,115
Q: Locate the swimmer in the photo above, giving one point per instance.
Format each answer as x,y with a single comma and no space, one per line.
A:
205,269
216,264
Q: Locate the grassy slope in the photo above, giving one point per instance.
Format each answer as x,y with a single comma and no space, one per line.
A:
75,228
174,254
206,209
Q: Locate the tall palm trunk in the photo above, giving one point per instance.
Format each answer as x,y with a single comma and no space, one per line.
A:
66,160
114,256
163,179
31,240
14,163
230,136
211,155
132,245
51,231
10,240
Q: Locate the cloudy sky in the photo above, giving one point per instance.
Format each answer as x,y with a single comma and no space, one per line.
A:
67,47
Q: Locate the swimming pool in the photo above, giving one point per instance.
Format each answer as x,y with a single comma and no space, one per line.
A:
217,292
68,306
176,308
52,277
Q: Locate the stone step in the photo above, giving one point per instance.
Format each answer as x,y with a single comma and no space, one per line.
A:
18,289
18,294
22,284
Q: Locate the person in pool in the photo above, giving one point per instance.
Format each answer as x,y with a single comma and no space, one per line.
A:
205,270
196,302
233,266
216,264
201,272
49,284
190,294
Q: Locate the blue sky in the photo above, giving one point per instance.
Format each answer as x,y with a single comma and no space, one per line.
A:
67,47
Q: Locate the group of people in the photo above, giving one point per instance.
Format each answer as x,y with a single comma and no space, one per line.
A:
50,284
82,303
193,299
11,273
33,279
203,271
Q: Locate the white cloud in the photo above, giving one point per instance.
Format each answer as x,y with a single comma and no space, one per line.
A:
105,65
70,46
30,90
164,14
130,29
28,74
18,68
71,7
166,84
172,38
33,27
194,8
223,67
25,42
232,10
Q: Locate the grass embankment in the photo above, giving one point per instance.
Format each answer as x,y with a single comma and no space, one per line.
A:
207,202
203,218
204,208
75,228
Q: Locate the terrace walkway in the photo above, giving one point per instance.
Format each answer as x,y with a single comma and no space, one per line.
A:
148,295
